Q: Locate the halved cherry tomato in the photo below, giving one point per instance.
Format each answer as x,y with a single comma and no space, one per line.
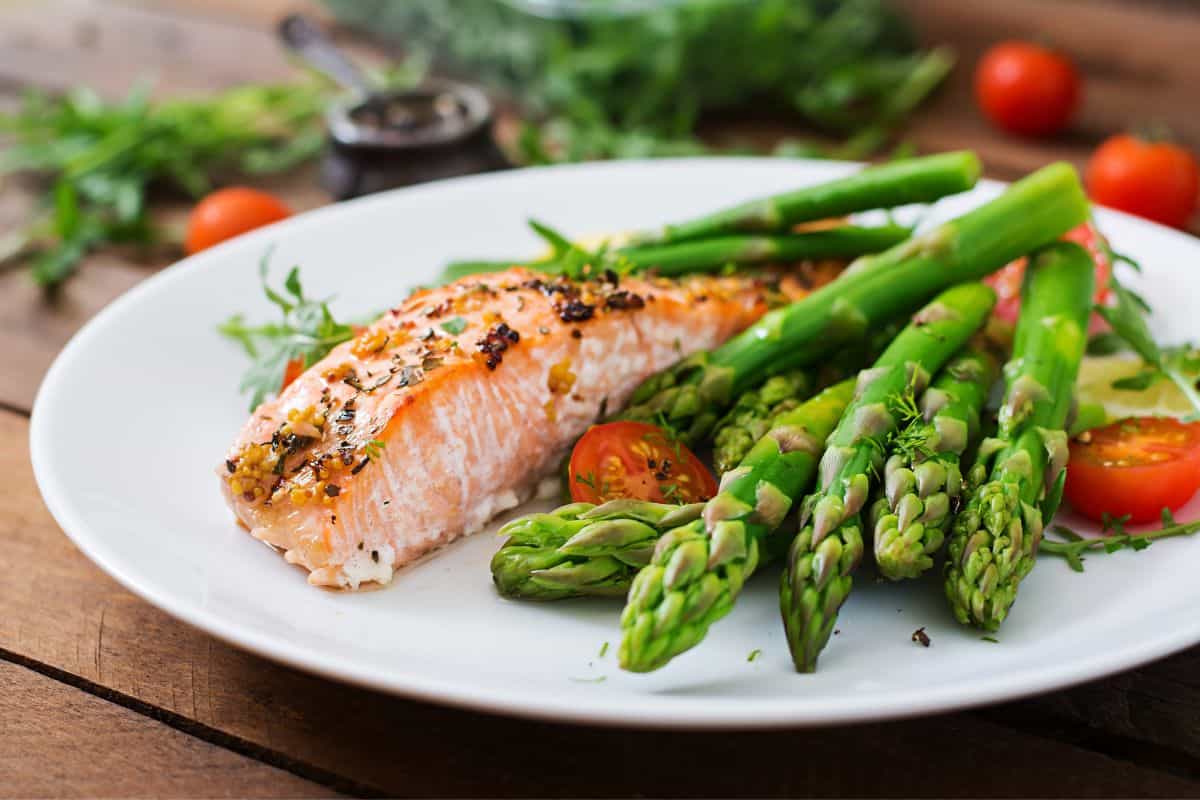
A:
636,460
1137,466
228,212
292,370
1156,180
1007,280
1026,88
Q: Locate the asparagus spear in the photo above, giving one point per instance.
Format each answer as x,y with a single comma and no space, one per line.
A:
1018,475
922,477
705,255
754,413
697,570
692,395
817,572
915,180
582,549
756,409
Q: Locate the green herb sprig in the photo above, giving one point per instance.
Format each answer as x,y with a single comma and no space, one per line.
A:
101,159
600,82
1069,545
1127,316
308,331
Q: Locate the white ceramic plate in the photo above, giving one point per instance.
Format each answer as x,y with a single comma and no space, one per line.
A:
143,402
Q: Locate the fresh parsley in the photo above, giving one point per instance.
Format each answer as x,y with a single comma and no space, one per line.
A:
307,331
454,326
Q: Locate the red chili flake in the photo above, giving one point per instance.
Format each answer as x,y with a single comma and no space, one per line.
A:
438,310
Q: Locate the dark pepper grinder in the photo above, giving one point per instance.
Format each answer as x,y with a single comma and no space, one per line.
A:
382,140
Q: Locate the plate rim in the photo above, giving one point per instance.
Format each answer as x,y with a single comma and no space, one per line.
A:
692,713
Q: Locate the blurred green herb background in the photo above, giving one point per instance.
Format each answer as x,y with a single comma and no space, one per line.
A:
100,160
609,79
622,79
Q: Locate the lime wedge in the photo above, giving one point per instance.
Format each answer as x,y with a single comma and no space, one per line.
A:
1097,373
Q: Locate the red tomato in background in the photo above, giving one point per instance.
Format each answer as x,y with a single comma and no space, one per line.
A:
292,370
1156,180
1137,466
1007,281
229,212
1026,88
633,459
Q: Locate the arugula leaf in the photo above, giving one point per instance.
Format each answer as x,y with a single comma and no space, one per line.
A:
1105,343
1067,544
1138,382
308,331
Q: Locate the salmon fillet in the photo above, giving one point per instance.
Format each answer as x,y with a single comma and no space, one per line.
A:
453,406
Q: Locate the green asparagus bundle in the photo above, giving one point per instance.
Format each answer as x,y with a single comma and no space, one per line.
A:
922,476
1018,475
697,570
760,230
582,549
817,572
695,393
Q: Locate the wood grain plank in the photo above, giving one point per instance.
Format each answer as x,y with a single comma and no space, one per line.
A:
111,46
59,610
58,741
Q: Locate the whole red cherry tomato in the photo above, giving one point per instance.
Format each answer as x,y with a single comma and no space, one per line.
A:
1156,180
1026,88
228,212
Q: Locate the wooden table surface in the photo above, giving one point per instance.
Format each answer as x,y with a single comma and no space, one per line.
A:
104,695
